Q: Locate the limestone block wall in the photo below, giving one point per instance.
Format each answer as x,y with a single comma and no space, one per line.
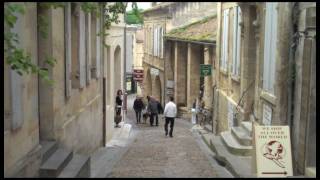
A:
21,145
76,122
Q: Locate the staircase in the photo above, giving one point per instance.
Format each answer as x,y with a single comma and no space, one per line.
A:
62,163
239,140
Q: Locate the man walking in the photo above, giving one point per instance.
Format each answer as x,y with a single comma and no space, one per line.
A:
138,106
152,109
170,112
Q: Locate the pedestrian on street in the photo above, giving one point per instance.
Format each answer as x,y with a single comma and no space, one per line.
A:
170,112
152,109
118,107
194,112
138,105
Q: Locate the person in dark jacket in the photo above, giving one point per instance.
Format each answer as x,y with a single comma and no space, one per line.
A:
153,110
160,109
138,106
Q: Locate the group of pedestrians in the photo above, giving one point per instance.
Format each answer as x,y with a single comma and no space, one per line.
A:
153,109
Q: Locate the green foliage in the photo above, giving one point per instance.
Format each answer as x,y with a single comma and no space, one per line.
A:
134,17
20,60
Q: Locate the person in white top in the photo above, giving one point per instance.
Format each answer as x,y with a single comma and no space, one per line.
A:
170,112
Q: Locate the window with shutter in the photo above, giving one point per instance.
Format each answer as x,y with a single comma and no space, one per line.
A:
236,41
270,38
68,50
88,47
225,35
99,48
82,49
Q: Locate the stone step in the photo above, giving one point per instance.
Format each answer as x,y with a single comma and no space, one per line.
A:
239,166
247,125
79,167
56,162
234,146
241,135
48,148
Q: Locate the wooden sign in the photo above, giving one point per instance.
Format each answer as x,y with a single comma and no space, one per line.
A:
273,151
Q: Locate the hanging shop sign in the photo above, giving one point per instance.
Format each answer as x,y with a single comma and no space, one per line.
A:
273,151
138,75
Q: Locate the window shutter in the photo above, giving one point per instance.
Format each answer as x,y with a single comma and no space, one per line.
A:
17,100
273,45
235,30
270,47
266,58
223,41
238,42
88,48
98,47
226,40
68,50
82,49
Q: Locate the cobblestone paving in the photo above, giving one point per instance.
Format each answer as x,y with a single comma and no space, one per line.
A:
152,154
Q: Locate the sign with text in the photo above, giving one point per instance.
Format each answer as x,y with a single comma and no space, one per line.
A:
138,75
273,151
154,71
205,70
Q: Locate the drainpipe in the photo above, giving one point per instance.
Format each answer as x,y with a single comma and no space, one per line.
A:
124,67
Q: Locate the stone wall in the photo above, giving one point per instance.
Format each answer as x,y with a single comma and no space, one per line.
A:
21,145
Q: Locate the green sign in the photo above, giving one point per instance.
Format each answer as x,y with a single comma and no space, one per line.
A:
205,70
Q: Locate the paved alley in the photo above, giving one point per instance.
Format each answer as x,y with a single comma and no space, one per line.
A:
152,154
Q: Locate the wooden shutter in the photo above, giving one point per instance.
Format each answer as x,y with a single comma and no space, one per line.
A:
222,41
270,47
226,41
238,41
98,47
88,48
68,50
225,38
273,43
82,49
235,30
16,83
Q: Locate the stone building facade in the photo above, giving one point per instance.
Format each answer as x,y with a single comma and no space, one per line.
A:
158,21
255,67
77,110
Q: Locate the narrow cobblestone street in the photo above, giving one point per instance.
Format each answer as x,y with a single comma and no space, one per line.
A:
152,154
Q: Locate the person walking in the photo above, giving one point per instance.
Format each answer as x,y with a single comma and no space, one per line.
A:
194,112
118,107
152,109
170,112
138,106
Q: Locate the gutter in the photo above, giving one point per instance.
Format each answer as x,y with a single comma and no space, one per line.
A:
190,41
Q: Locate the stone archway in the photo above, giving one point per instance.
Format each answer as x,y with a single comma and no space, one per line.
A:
157,89
117,69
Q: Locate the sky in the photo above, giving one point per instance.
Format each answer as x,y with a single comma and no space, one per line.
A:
141,5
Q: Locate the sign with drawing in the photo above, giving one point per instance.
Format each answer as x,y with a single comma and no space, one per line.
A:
273,151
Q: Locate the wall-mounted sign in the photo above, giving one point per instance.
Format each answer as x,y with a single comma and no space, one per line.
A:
205,70
273,151
267,115
138,75
154,71
169,91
